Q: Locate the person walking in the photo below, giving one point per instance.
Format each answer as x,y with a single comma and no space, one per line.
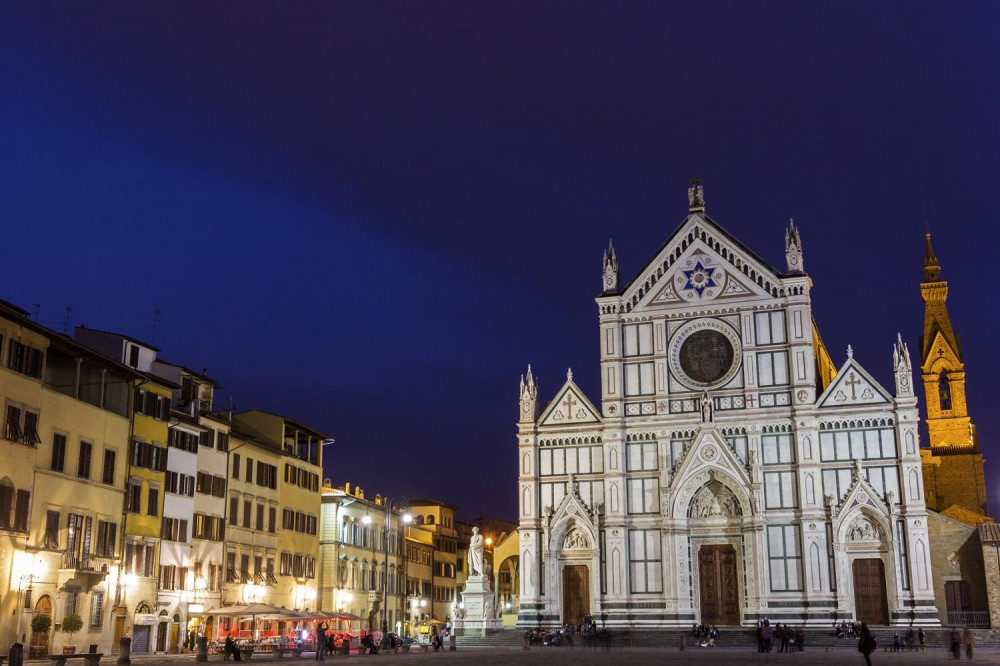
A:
866,644
969,641
955,643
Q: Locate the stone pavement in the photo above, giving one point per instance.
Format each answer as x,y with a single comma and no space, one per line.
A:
542,656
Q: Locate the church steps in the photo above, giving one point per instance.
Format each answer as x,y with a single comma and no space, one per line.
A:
732,637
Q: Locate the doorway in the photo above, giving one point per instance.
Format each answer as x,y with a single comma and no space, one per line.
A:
576,593
119,631
40,639
140,638
720,594
870,603
175,635
161,637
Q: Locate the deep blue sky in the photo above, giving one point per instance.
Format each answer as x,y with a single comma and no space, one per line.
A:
371,216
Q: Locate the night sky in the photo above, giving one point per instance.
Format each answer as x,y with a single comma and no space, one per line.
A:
372,216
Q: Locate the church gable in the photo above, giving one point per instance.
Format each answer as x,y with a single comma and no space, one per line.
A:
853,386
941,355
570,407
859,494
700,275
699,263
572,523
710,450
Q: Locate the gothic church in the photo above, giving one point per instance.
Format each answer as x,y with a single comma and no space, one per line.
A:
730,469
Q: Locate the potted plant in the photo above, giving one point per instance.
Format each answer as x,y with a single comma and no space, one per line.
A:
70,625
41,623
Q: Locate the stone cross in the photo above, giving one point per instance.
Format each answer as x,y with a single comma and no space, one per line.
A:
570,403
853,382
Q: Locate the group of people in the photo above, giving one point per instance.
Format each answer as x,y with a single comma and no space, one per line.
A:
911,640
786,637
956,642
546,637
705,635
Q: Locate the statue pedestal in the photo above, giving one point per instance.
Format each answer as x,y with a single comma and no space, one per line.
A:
480,614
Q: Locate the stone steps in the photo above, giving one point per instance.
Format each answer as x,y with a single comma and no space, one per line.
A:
935,638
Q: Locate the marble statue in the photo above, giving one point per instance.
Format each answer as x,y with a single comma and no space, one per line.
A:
706,408
475,556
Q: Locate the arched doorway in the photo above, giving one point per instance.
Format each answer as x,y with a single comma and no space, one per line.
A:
40,639
141,632
865,540
714,519
575,560
175,635
161,632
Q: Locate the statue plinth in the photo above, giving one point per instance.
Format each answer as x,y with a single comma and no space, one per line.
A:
479,615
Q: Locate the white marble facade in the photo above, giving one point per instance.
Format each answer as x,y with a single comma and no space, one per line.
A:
725,474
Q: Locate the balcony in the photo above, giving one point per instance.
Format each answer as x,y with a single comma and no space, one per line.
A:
85,571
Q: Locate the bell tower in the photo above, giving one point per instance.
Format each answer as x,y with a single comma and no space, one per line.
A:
954,481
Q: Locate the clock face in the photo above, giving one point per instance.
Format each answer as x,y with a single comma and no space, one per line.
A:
704,354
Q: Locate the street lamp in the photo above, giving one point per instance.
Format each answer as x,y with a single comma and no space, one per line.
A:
407,518
126,581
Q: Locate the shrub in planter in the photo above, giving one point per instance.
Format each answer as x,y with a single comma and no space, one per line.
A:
41,623
70,625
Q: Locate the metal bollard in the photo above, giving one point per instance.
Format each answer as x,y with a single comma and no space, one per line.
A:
527,641
202,648
124,651
451,642
680,643
15,656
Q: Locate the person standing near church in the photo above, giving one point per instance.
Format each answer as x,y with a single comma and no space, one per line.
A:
866,644
321,641
969,641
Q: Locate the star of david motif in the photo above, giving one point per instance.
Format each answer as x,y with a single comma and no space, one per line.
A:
699,278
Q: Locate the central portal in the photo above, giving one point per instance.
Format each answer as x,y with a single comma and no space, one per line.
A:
720,595
869,591
576,593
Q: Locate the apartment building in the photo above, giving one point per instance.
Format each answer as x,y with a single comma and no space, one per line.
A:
145,487
362,569
299,470
64,445
438,519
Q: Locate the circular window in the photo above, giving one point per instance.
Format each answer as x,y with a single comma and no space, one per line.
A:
706,356
704,353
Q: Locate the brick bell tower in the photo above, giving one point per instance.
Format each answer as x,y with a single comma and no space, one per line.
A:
954,481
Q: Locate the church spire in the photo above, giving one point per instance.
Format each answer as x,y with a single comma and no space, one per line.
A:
529,398
793,248
610,269
953,472
932,269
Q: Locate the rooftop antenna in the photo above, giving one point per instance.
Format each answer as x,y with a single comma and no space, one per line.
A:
69,314
157,318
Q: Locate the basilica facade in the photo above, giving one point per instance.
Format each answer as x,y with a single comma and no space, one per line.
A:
731,470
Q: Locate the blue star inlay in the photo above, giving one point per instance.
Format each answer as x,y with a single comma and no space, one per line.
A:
699,278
